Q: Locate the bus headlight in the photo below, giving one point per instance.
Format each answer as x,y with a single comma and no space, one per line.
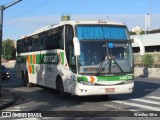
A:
86,83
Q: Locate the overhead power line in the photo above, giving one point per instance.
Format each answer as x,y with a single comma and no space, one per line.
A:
30,9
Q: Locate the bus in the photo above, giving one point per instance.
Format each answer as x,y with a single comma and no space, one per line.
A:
81,58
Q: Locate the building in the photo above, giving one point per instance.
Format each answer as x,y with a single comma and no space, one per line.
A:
151,41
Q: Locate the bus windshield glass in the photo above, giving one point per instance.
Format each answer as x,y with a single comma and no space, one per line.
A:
104,50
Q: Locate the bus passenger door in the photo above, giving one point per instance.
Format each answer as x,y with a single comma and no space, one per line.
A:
69,49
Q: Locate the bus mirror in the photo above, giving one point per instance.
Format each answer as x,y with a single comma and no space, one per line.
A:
76,46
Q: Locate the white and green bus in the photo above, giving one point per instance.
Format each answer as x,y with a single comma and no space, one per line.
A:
78,57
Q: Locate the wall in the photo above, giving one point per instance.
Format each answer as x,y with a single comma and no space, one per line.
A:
147,72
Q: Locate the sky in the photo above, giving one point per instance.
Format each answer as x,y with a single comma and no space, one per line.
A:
27,16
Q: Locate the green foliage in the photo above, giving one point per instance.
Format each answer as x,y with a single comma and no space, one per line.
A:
8,49
133,33
148,60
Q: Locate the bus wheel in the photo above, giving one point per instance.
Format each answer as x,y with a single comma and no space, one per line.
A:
30,85
26,79
60,88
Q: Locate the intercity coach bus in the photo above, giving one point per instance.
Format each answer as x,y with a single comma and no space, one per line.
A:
78,57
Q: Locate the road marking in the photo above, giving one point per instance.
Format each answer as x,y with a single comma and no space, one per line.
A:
138,105
112,106
132,110
147,101
154,97
13,110
18,107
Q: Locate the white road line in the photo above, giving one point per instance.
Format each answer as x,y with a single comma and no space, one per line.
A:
10,110
138,105
147,101
112,106
18,107
154,97
132,110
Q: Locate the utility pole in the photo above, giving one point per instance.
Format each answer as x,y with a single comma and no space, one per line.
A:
2,8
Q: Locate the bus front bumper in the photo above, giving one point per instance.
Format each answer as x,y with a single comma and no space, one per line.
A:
85,90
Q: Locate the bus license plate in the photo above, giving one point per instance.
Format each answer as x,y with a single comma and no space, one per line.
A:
110,90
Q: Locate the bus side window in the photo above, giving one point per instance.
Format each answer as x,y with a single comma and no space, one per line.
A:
34,44
43,38
58,38
29,44
38,48
25,45
19,46
49,41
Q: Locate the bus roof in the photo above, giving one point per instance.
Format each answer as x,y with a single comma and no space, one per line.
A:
73,23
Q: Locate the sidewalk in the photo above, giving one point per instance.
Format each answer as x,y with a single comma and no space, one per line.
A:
6,99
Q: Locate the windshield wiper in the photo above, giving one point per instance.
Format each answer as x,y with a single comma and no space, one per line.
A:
100,69
118,65
110,59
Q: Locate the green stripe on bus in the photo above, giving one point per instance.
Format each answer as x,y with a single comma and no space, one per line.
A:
31,59
50,58
82,78
108,78
38,60
33,70
62,57
115,78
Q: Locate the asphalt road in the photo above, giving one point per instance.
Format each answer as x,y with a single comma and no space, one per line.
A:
146,97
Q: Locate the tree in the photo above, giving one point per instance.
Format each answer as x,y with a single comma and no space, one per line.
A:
148,60
8,49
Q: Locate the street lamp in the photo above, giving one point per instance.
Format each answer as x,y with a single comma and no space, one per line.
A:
2,8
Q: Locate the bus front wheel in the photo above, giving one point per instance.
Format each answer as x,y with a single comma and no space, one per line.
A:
60,88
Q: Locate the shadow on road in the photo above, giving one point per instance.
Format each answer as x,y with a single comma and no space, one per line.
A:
49,99
141,88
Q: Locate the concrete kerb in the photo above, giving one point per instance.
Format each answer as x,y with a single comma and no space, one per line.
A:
6,99
147,72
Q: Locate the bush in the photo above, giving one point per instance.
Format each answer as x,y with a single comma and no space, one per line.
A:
148,61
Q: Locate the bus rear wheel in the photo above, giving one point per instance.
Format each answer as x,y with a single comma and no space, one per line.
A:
26,80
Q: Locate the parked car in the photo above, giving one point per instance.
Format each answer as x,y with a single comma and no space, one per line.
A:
5,73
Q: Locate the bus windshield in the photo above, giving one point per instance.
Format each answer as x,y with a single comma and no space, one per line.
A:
104,50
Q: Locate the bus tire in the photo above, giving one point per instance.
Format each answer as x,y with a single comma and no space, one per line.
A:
23,78
26,80
60,88
27,83
30,85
